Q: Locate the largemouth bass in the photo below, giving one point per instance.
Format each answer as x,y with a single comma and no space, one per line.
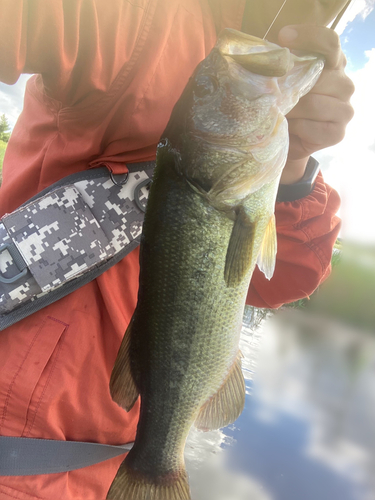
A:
209,220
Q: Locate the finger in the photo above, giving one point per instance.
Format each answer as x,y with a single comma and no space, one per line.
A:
334,83
316,39
317,135
322,108
299,149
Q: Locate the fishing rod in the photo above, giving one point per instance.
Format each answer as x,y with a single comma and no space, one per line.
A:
332,27
340,14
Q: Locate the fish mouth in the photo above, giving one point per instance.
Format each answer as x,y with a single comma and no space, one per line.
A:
255,54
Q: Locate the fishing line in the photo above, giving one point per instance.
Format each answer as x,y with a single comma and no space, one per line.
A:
273,22
332,27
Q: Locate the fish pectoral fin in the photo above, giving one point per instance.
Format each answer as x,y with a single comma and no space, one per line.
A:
227,404
240,249
267,254
133,485
122,386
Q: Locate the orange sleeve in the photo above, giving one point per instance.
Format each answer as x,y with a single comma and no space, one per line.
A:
76,45
306,232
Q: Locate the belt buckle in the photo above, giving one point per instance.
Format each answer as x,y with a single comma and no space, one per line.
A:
146,183
18,261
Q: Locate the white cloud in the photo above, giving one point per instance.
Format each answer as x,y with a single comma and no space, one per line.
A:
357,8
350,166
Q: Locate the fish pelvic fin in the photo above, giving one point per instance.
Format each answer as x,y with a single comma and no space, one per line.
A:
240,249
227,404
122,386
133,485
267,254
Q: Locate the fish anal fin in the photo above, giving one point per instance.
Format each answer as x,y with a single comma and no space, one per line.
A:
240,249
122,385
267,254
227,404
129,484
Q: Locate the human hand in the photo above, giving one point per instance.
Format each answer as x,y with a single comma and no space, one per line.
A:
320,118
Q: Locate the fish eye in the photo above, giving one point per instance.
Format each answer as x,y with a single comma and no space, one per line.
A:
205,85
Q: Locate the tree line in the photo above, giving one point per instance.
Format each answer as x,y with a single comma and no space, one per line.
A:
4,128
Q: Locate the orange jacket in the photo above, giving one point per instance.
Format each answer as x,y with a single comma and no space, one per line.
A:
109,74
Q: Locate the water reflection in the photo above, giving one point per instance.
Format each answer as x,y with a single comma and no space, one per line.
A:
307,431
211,477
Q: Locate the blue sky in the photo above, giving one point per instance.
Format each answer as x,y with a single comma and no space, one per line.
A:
358,37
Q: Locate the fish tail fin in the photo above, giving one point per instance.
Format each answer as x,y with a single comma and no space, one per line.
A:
227,404
129,484
122,385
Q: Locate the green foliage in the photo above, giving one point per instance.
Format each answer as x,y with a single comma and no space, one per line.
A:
335,260
3,147
4,128
348,294
4,138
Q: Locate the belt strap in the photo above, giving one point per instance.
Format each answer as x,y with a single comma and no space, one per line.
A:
68,235
28,457
61,239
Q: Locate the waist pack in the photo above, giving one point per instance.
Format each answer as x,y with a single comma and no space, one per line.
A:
67,235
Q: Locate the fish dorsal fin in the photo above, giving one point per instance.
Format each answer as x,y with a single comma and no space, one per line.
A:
267,255
227,404
122,386
240,249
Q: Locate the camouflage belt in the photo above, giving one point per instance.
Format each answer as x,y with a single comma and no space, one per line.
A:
68,235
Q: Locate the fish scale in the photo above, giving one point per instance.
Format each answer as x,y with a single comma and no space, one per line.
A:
194,347
209,220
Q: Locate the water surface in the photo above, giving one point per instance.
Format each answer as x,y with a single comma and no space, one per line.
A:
307,430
